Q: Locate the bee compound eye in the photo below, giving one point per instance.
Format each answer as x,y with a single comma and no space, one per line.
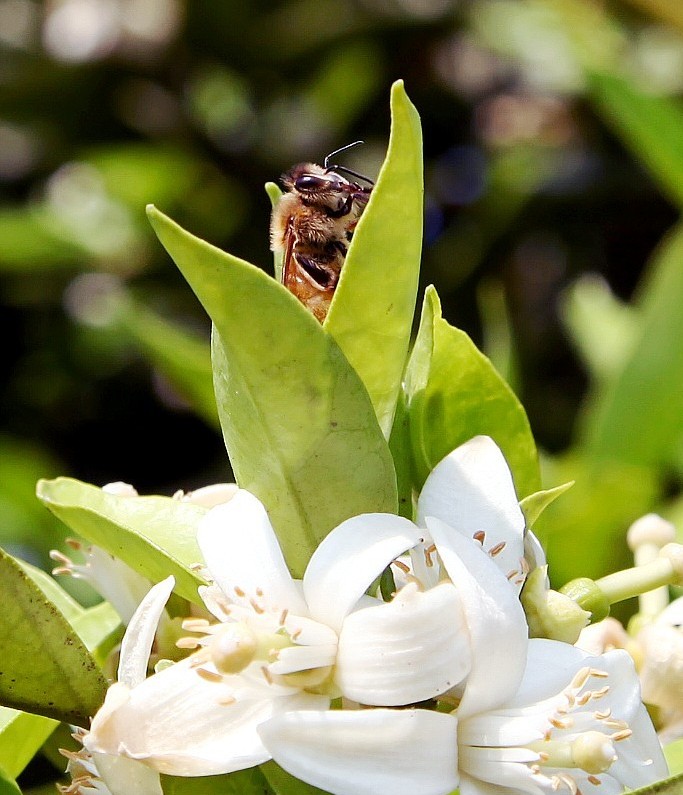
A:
310,182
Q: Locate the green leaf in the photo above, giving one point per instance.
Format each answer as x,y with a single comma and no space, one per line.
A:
455,393
298,424
155,536
534,505
95,626
45,667
243,782
283,783
669,786
184,358
7,785
638,417
372,309
651,125
67,605
674,757
21,737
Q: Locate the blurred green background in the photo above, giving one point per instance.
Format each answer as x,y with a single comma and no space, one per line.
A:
554,177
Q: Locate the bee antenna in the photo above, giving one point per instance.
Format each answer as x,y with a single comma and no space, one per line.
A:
337,151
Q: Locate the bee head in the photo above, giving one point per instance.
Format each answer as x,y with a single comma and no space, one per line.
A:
314,184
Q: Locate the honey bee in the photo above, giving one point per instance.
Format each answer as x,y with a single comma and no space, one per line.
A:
312,226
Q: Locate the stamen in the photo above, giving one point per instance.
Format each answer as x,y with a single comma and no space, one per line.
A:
259,591
283,616
599,674
622,735
594,780
74,544
257,607
59,557
228,701
601,693
479,536
296,634
604,715
209,676
580,678
497,549
561,724
402,566
512,574
187,643
267,674
238,591
429,551
195,624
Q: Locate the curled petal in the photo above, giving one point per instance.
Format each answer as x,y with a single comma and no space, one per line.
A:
242,553
364,752
123,776
408,650
494,616
182,724
471,490
137,642
350,558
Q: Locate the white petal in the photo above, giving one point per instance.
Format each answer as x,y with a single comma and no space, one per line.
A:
303,658
408,650
137,642
350,558
124,776
242,552
181,724
366,752
495,618
471,490
308,632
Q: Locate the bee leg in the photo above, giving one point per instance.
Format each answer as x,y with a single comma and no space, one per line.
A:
324,276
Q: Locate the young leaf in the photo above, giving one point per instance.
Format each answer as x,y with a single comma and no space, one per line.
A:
372,310
298,424
454,393
283,783
242,782
155,536
534,504
275,194
45,667
669,786
650,125
21,737
646,396
7,785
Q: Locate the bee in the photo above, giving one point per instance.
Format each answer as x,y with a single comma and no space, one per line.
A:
312,225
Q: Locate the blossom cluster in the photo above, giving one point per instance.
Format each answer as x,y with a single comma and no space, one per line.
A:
427,685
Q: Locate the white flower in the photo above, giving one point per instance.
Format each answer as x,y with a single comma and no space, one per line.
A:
575,724
471,490
661,670
283,645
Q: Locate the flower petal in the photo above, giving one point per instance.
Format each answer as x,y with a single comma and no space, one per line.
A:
180,723
471,490
242,553
137,642
367,751
123,776
408,650
350,558
494,615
